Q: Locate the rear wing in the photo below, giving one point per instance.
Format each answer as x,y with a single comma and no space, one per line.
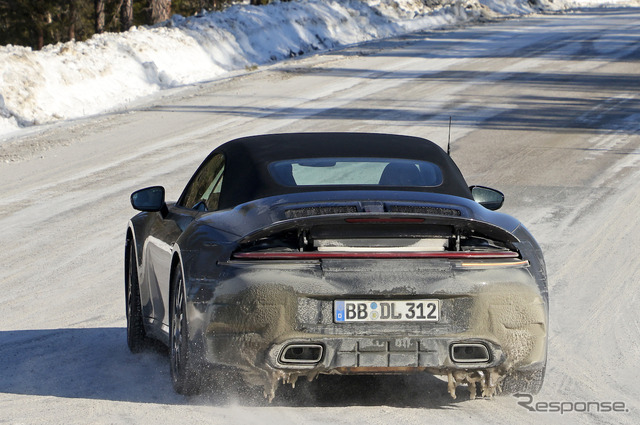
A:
382,235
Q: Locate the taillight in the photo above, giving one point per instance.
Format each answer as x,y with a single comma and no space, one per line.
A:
317,255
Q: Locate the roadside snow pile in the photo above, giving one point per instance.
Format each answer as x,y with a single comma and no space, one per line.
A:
109,71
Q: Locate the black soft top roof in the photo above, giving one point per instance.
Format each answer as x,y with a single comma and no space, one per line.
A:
247,177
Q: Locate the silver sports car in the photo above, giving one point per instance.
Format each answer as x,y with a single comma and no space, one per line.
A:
293,255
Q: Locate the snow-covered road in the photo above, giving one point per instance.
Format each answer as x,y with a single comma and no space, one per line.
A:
546,109
110,71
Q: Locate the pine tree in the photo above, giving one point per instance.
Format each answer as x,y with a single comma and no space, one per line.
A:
36,23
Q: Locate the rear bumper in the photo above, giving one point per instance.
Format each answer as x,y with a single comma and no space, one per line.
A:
384,355
260,309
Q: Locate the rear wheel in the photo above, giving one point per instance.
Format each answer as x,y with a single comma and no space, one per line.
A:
184,373
136,335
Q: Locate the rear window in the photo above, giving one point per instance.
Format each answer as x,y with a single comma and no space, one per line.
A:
355,172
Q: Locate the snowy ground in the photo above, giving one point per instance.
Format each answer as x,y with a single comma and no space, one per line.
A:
110,71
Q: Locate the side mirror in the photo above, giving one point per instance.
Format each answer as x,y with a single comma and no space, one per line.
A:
150,199
489,198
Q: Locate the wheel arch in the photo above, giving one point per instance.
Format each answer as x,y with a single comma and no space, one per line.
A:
176,261
128,246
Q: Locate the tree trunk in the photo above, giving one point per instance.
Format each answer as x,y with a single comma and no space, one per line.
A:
41,18
40,31
160,10
126,15
99,16
73,18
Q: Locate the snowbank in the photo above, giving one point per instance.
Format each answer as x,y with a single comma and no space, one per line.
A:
76,79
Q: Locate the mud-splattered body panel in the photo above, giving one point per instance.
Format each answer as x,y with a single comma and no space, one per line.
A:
259,309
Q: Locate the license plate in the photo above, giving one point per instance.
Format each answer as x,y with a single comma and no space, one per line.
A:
386,311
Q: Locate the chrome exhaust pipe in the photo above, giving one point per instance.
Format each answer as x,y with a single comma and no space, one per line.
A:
302,353
469,353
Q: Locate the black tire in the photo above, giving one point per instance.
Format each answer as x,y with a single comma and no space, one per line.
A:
184,372
523,382
136,334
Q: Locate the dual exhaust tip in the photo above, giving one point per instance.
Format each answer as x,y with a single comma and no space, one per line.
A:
302,354
475,352
311,354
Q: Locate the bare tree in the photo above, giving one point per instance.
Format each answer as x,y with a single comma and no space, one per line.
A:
99,16
73,18
126,15
160,10
41,17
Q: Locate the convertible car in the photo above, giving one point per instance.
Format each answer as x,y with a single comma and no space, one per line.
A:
293,255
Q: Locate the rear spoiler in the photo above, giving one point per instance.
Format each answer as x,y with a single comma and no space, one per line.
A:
406,223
